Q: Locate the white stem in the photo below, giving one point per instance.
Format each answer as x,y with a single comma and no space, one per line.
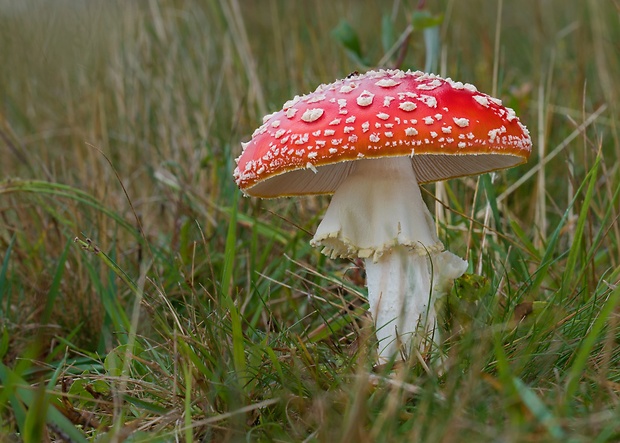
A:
399,294
378,214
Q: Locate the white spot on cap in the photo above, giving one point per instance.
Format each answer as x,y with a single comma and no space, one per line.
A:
461,122
433,134
329,132
365,126
350,119
462,145
352,138
333,150
374,138
348,129
383,116
279,133
365,98
411,132
470,87
428,120
446,129
267,117
482,100
334,122
275,123
428,100
389,134
430,85
312,115
345,89
438,117
387,100
290,103
407,106
342,103
387,83
290,112
316,98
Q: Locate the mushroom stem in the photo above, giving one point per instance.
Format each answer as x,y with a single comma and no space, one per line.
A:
378,214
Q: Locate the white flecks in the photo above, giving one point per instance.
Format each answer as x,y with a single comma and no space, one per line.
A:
389,125
312,154
267,117
471,135
311,115
333,150
377,125
317,133
374,138
352,138
433,134
342,103
410,132
457,85
462,145
389,134
290,103
348,129
493,133
360,155
387,83
336,141
428,100
316,98
469,87
328,132
482,100
461,136
438,117
310,165
428,120
383,116
345,89
511,114
283,140
350,119
279,133
387,100
365,126
497,101
406,94
320,143
407,106
430,85
461,122
303,139
290,112
260,170
365,98
334,122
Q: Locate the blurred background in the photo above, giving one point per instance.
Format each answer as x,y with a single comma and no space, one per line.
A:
120,122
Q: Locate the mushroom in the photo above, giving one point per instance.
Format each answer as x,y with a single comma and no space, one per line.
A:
369,140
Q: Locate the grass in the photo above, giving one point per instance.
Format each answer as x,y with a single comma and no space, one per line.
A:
142,298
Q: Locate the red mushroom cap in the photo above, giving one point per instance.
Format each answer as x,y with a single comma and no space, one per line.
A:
448,128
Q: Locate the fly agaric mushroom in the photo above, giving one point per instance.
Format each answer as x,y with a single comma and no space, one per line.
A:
370,140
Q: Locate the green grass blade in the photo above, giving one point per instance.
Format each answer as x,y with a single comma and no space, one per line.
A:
3,271
583,353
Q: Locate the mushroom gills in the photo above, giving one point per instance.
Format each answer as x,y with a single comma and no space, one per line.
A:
378,214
